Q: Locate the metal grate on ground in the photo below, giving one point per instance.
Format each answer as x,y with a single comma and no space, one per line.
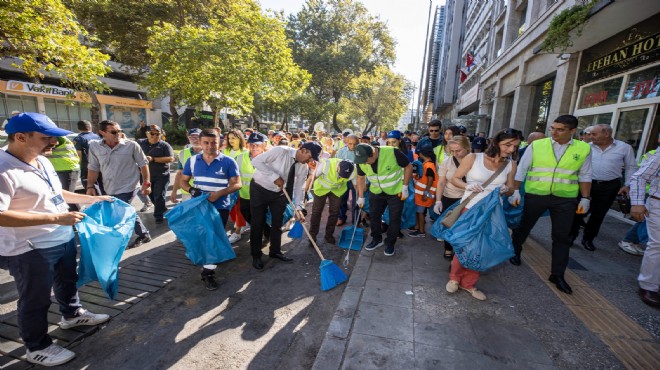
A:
137,280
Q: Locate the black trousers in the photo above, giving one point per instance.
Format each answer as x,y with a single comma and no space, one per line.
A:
262,200
317,211
377,205
603,193
247,215
446,203
562,211
159,184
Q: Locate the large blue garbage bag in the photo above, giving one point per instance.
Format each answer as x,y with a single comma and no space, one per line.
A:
408,215
104,234
480,237
513,214
199,227
437,228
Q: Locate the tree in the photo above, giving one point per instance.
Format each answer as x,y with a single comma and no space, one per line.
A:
337,41
377,100
224,63
45,36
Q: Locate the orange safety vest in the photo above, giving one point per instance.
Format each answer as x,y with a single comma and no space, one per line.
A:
420,186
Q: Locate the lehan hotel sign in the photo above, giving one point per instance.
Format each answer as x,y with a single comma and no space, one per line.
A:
627,50
29,88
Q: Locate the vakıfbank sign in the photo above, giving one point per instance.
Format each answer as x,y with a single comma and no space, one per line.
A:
39,89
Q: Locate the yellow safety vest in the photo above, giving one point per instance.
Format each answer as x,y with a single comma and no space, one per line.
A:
439,153
65,157
247,171
545,176
389,178
329,181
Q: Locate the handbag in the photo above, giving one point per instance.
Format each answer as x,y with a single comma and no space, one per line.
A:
453,215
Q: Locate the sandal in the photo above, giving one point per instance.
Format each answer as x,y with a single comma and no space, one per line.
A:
448,254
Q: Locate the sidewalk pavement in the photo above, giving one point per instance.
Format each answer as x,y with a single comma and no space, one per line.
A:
395,314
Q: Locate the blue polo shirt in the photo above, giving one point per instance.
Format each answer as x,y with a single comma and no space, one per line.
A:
213,177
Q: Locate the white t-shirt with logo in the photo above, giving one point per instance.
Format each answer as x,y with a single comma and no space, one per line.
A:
22,188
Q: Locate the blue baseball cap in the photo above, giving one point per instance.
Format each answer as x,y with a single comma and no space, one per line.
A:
34,122
394,134
257,138
346,168
194,131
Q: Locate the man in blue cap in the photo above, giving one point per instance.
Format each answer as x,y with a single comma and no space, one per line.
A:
38,246
280,169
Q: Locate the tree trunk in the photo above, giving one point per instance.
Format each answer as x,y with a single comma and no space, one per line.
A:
336,95
173,111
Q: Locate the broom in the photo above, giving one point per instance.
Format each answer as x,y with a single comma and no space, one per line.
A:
331,274
348,251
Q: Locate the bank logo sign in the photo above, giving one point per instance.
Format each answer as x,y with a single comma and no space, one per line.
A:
39,89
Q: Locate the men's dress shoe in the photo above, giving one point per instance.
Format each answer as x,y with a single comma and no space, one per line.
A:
280,257
515,260
561,284
588,245
257,263
330,239
649,297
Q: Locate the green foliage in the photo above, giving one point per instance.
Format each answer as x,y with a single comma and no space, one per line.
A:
558,36
175,135
377,100
337,41
45,36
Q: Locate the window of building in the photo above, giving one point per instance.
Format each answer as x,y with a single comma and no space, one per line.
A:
21,103
541,106
643,84
601,93
594,119
66,113
630,127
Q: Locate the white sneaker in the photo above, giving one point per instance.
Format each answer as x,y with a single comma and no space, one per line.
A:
245,230
146,207
233,238
52,355
84,318
631,248
452,286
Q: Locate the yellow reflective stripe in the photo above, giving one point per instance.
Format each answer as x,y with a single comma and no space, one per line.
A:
328,185
550,169
551,180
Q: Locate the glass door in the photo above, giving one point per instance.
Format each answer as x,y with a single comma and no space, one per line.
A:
632,126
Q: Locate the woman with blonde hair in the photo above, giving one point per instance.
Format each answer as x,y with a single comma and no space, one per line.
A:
447,193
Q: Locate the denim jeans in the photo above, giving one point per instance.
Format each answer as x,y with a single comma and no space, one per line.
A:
633,235
140,229
159,186
35,273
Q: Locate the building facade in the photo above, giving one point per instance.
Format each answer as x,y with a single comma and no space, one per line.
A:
610,74
432,64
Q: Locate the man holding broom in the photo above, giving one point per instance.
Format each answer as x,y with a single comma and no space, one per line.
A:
280,169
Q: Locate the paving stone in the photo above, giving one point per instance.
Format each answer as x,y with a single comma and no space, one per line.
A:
396,274
330,354
449,332
369,352
498,339
430,276
384,321
387,293
431,357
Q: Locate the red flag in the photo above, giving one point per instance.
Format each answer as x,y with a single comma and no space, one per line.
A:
469,60
463,75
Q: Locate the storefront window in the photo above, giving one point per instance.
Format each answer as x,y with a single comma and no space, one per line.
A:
594,119
66,113
602,93
127,117
541,106
643,84
631,127
17,102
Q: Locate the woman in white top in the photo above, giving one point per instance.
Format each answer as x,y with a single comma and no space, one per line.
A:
446,193
477,168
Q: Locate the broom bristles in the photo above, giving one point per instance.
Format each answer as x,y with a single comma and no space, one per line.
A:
331,275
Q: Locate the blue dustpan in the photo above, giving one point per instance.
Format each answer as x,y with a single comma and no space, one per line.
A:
346,236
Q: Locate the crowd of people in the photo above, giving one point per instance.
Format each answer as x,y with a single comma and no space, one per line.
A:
252,177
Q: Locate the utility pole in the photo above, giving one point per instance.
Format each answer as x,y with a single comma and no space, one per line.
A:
421,79
412,110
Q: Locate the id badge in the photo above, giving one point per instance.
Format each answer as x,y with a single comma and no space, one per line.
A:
59,202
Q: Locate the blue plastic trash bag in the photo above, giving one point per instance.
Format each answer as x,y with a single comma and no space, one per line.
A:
408,214
480,237
296,231
437,228
513,214
197,224
104,234
288,214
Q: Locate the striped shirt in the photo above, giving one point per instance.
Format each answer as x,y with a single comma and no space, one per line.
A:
648,173
212,177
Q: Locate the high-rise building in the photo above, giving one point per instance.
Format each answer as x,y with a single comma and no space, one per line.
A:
433,58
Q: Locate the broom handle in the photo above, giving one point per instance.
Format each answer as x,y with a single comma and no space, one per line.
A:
303,225
348,252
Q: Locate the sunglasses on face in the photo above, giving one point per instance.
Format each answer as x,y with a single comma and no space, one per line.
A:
154,133
434,130
115,132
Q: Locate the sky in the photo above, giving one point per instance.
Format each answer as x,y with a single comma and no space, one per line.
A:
406,20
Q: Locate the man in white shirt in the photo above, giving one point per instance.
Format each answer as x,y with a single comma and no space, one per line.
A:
610,160
280,168
37,241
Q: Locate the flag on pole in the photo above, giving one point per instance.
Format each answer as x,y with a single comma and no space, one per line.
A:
464,74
